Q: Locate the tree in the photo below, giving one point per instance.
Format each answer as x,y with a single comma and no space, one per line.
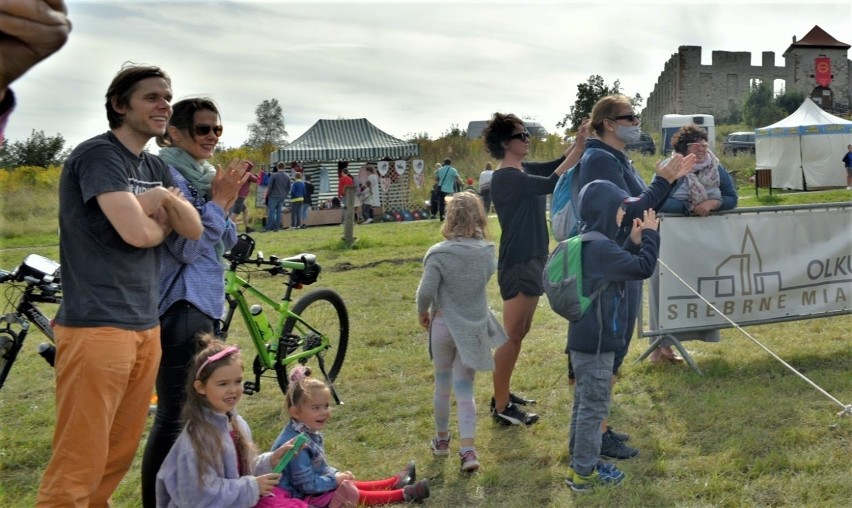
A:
37,150
588,94
760,108
790,101
268,132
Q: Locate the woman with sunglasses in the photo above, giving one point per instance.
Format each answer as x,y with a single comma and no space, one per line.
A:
192,292
707,188
611,126
518,191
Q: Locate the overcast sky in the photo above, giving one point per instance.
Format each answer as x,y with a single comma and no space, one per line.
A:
408,67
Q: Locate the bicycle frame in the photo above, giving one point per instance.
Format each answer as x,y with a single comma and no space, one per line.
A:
236,287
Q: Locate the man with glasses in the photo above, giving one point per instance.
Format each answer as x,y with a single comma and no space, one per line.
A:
116,205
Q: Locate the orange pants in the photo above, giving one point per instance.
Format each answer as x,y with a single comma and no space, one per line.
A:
104,381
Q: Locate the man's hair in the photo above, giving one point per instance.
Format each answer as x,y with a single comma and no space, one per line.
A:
122,88
447,162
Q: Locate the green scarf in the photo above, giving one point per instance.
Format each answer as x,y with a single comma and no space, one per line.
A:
198,174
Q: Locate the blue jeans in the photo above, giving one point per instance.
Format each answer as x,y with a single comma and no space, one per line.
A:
273,213
592,400
295,214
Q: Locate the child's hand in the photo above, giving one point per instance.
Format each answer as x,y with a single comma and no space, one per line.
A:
281,450
266,482
650,221
342,477
424,319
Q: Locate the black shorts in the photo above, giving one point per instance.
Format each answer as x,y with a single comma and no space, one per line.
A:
239,206
523,277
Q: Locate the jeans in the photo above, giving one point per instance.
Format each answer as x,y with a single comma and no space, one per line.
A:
306,207
592,400
273,217
180,326
295,214
104,380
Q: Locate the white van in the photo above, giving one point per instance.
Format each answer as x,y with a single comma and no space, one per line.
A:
672,123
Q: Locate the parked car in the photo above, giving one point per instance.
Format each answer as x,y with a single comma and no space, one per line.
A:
645,145
739,142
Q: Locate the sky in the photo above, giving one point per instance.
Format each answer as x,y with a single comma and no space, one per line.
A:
408,67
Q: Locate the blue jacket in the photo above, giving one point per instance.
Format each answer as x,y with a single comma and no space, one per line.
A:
307,473
619,170
604,261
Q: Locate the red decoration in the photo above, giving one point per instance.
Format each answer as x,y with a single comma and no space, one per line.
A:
822,68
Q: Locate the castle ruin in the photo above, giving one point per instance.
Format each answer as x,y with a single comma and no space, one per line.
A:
817,65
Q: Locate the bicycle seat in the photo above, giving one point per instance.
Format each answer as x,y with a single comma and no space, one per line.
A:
309,259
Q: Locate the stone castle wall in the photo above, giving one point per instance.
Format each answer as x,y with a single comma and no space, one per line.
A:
685,86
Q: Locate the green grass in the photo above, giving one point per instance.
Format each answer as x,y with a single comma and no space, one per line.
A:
746,433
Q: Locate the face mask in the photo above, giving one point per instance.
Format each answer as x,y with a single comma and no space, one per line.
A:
627,134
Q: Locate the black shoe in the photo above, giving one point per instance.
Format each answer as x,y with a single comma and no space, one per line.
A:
517,399
249,230
615,449
621,436
513,415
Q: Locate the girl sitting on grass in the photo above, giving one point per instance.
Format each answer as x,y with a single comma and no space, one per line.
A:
310,478
452,305
214,462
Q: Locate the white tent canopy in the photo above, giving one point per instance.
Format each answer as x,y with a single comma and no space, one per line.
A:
805,150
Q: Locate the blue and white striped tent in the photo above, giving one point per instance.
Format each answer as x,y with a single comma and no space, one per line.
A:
348,139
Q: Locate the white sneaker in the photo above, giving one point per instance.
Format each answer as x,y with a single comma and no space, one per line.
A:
368,221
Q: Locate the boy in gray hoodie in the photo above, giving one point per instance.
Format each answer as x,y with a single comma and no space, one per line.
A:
594,339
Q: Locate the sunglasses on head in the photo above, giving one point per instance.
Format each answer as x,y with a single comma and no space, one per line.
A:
204,129
632,117
523,136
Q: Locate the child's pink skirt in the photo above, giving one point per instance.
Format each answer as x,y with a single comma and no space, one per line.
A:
280,498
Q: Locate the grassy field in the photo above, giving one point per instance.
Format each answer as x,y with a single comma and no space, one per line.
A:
746,433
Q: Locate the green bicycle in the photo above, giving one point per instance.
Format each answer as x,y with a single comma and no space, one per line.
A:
317,327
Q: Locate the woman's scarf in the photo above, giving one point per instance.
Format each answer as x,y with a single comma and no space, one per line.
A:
198,174
705,175
200,177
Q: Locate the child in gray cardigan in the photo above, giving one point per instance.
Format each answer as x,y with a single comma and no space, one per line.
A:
452,305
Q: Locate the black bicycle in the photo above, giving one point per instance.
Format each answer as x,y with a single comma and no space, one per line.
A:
34,281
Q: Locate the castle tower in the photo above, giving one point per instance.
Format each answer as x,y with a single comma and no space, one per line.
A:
818,66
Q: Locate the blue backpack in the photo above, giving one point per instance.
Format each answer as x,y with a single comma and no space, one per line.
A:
564,215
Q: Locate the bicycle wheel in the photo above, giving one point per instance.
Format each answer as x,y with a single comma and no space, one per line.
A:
324,310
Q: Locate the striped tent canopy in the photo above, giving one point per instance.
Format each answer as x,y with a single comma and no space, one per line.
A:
348,139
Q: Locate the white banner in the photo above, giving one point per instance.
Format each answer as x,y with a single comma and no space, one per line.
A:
759,265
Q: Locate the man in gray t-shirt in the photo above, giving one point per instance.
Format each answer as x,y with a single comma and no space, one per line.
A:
115,207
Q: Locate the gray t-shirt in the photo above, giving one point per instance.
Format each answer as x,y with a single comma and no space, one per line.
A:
105,281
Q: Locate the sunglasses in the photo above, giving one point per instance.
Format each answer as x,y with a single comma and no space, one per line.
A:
204,129
632,117
523,136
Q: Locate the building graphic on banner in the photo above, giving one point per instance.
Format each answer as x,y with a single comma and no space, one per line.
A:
795,281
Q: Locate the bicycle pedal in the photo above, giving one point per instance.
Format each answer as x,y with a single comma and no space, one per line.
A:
250,388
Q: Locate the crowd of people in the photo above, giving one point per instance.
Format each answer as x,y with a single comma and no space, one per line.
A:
162,223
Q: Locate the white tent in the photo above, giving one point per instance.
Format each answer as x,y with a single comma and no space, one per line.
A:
805,150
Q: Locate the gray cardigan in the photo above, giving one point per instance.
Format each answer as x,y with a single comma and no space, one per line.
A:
178,484
455,275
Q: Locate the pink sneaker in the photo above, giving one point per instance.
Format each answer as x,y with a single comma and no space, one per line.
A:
469,461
